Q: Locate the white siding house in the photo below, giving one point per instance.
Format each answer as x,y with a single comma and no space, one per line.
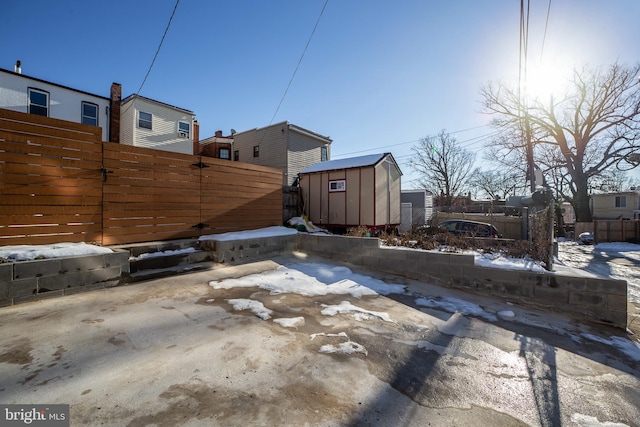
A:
620,205
148,123
26,94
283,146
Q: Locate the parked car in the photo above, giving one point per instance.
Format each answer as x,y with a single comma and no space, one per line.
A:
585,238
463,227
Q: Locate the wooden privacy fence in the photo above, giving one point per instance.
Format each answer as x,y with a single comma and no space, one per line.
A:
614,230
60,183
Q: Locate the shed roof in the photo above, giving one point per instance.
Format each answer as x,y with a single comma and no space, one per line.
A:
350,163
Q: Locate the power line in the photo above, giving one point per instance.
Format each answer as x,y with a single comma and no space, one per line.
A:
299,62
417,140
546,25
159,46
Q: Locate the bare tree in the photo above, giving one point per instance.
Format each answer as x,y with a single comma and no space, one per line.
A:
443,166
593,127
497,184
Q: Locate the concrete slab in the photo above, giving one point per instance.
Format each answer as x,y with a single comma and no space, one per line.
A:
173,351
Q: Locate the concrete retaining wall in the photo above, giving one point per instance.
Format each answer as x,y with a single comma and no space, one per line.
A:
586,298
245,250
32,280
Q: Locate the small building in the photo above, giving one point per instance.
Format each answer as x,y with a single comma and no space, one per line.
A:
283,146
148,123
217,146
359,191
618,205
417,208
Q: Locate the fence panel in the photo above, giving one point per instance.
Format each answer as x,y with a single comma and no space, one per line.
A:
60,183
149,195
50,181
509,227
616,230
239,196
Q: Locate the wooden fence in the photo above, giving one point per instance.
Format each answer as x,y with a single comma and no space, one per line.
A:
509,227
60,183
611,230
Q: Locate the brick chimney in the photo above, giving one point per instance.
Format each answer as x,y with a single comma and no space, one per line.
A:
114,112
197,149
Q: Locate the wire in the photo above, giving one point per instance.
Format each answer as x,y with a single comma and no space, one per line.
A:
298,65
159,46
546,25
478,138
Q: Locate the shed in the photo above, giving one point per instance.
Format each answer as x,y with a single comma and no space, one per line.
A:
359,191
417,208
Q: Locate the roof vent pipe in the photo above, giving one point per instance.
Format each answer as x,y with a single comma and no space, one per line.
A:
18,67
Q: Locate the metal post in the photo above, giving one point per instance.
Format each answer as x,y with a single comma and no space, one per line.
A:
551,245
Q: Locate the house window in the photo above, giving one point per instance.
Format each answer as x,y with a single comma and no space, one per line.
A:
621,201
224,153
236,156
184,129
323,154
38,102
89,114
337,185
256,151
144,120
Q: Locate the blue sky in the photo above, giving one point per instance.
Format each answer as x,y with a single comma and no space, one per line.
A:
376,77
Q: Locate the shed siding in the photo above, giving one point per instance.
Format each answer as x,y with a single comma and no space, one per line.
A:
354,207
367,196
337,200
371,197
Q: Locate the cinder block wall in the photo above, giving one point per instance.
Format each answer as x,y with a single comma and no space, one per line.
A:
593,299
236,251
32,280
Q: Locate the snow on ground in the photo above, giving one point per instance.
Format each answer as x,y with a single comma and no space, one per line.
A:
311,279
256,307
315,279
617,260
163,253
290,322
360,313
252,234
453,305
57,250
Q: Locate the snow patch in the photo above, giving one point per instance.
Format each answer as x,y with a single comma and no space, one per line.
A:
628,347
251,234
506,313
163,253
291,322
588,421
348,347
256,307
57,250
360,313
455,305
309,279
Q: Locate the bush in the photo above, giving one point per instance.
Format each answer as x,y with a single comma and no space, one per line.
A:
433,238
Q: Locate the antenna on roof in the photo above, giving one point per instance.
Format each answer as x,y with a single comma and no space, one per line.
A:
18,67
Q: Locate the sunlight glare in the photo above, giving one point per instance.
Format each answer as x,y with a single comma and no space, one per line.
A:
546,81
